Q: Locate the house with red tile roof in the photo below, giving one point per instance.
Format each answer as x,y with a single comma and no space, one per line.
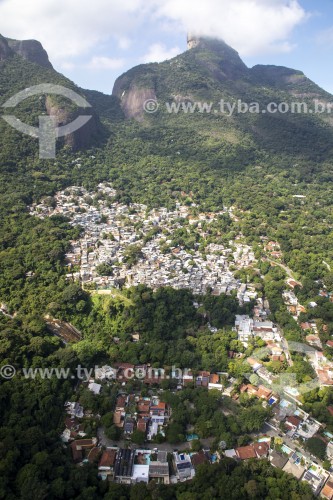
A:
80,447
261,449
141,425
245,452
158,410
107,463
292,423
214,382
327,491
143,406
199,459
263,392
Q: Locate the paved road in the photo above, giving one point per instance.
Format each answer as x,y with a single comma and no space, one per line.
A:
285,347
104,441
285,268
292,443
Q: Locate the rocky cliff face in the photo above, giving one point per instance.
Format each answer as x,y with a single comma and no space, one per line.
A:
207,60
84,136
5,51
208,69
31,50
19,70
133,100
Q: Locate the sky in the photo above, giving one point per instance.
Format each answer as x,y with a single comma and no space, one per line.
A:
93,42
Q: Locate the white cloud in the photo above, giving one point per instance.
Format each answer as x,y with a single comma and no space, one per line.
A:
101,62
250,26
159,52
69,29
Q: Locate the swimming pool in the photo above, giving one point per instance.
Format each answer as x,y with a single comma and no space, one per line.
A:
284,403
286,449
191,437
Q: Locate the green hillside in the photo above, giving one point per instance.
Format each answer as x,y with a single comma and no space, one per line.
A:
259,163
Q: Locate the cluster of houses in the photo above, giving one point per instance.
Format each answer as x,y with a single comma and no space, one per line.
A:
291,301
148,415
111,228
293,423
273,249
290,461
248,328
125,372
293,462
322,366
131,466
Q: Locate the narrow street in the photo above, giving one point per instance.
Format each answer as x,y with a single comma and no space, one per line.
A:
271,431
285,268
105,441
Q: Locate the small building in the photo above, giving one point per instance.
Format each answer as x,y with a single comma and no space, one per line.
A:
264,393
316,478
327,491
202,379
183,466
159,469
292,423
245,452
244,327
199,459
277,460
141,425
124,465
261,449
214,382
129,426
140,474
95,388
107,463
295,469
158,410
81,447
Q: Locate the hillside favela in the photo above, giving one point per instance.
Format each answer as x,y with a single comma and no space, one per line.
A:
166,250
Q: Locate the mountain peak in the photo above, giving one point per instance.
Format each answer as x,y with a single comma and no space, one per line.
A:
31,50
217,56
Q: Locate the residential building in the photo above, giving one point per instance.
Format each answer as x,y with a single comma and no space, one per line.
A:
124,465
183,466
107,463
159,469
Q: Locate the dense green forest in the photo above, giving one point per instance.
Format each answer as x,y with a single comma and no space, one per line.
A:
256,164
224,480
